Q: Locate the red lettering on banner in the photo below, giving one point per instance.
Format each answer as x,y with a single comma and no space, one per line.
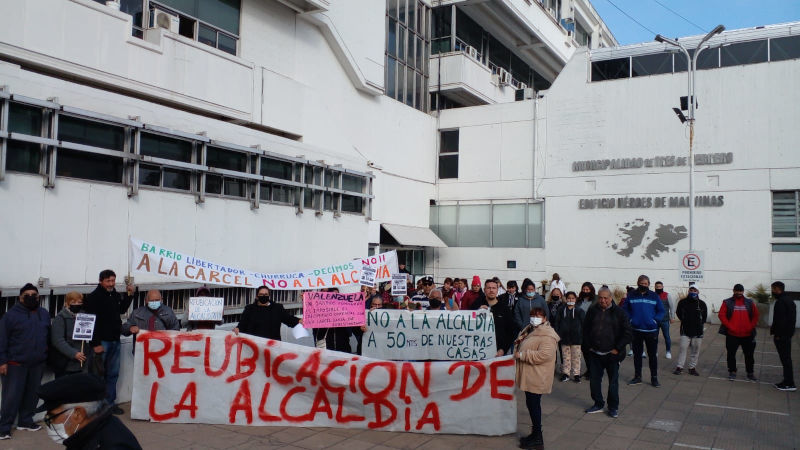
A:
344,278
249,362
354,276
270,283
323,378
309,368
152,409
282,284
320,282
262,412
173,270
201,274
390,367
353,369
340,417
383,272
467,392
237,280
144,262
186,271
408,420
242,402
335,280
496,383
297,284
154,356
282,379
430,416
207,357
226,278
407,371
285,402
213,276
179,353
189,394
379,420
320,404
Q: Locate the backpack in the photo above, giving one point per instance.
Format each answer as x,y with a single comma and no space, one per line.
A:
729,303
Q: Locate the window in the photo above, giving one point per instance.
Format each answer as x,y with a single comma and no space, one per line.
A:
582,37
786,247
24,156
276,168
441,39
448,154
536,225
212,22
164,147
743,53
785,213
163,177
407,52
516,225
332,179
708,59
474,225
781,49
353,183
87,166
611,69
89,132
652,64
508,225
444,222
352,204
230,187
226,159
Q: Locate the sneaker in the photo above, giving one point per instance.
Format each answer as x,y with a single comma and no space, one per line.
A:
692,371
613,413
32,427
576,379
630,352
654,382
564,377
117,411
678,371
644,355
751,377
731,376
4,436
669,355
785,387
593,409
635,381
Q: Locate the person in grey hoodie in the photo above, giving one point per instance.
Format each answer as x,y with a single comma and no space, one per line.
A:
527,300
71,357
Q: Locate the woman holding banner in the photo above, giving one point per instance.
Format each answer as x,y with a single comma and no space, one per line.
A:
535,352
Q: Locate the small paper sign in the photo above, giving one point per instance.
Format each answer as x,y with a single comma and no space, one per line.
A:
368,276
206,308
399,284
84,327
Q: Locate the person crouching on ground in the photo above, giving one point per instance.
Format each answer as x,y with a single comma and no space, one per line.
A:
535,352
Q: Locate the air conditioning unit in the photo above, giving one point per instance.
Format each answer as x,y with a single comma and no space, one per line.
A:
523,94
522,86
166,20
505,77
473,52
496,79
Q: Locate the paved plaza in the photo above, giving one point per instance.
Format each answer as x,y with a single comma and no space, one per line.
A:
685,412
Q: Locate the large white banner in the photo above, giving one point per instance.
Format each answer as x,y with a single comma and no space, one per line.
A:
430,335
147,257
216,377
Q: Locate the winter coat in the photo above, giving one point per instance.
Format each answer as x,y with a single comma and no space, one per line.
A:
568,323
509,299
24,335
669,305
692,312
743,319
265,321
504,330
646,311
522,310
103,432
140,317
605,330
471,299
784,317
61,340
107,306
536,358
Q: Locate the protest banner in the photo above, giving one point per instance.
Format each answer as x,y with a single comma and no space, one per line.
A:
332,310
84,327
216,377
149,258
429,335
206,308
399,284
367,276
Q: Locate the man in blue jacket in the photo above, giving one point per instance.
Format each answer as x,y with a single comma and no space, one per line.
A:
646,311
24,333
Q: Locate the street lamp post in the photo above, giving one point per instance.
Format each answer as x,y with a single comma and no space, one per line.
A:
691,61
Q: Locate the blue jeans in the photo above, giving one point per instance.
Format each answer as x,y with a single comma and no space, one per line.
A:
597,365
665,331
19,395
111,351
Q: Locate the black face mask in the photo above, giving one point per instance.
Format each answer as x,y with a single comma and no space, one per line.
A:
75,308
659,291
642,288
556,298
263,299
30,301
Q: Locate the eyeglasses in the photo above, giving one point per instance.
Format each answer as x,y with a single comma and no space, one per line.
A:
48,419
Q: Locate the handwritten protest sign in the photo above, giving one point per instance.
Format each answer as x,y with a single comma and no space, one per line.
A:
399,284
206,308
367,276
216,377
332,310
436,335
149,258
84,327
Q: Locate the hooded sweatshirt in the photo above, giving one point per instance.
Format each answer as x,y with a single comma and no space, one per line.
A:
24,335
522,310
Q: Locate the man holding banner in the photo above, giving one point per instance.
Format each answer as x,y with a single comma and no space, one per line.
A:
264,317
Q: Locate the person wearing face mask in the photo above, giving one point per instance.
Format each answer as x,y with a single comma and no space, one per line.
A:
23,351
154,315
568,323
509,297
67,356
264,317
692,313
78,416
473,299
556,300
526,302
739,317
535,353
646,311
669,317
586,297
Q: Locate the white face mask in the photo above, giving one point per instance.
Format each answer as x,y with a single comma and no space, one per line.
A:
570,303
57,431
154,305
536,321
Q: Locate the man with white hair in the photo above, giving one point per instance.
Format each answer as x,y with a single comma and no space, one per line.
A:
79,417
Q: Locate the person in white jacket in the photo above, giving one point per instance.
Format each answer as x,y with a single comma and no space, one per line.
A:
557,283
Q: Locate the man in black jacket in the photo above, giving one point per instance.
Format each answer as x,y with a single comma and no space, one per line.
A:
692,312
503,322
606,332
107,304
784,320
264,317
79,418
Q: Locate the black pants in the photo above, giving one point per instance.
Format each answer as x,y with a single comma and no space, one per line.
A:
649,340
534,404
19,395
784,348
597,365
748,345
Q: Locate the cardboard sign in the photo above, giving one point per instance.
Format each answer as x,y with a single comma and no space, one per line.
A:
206,308
84,327
430,335
367,276
332,310
153,259
216,377
399,284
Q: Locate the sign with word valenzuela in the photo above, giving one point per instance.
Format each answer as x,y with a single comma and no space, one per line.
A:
399,284
206,308
216,377
429,335
333,309
691,266
367,276
84,327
